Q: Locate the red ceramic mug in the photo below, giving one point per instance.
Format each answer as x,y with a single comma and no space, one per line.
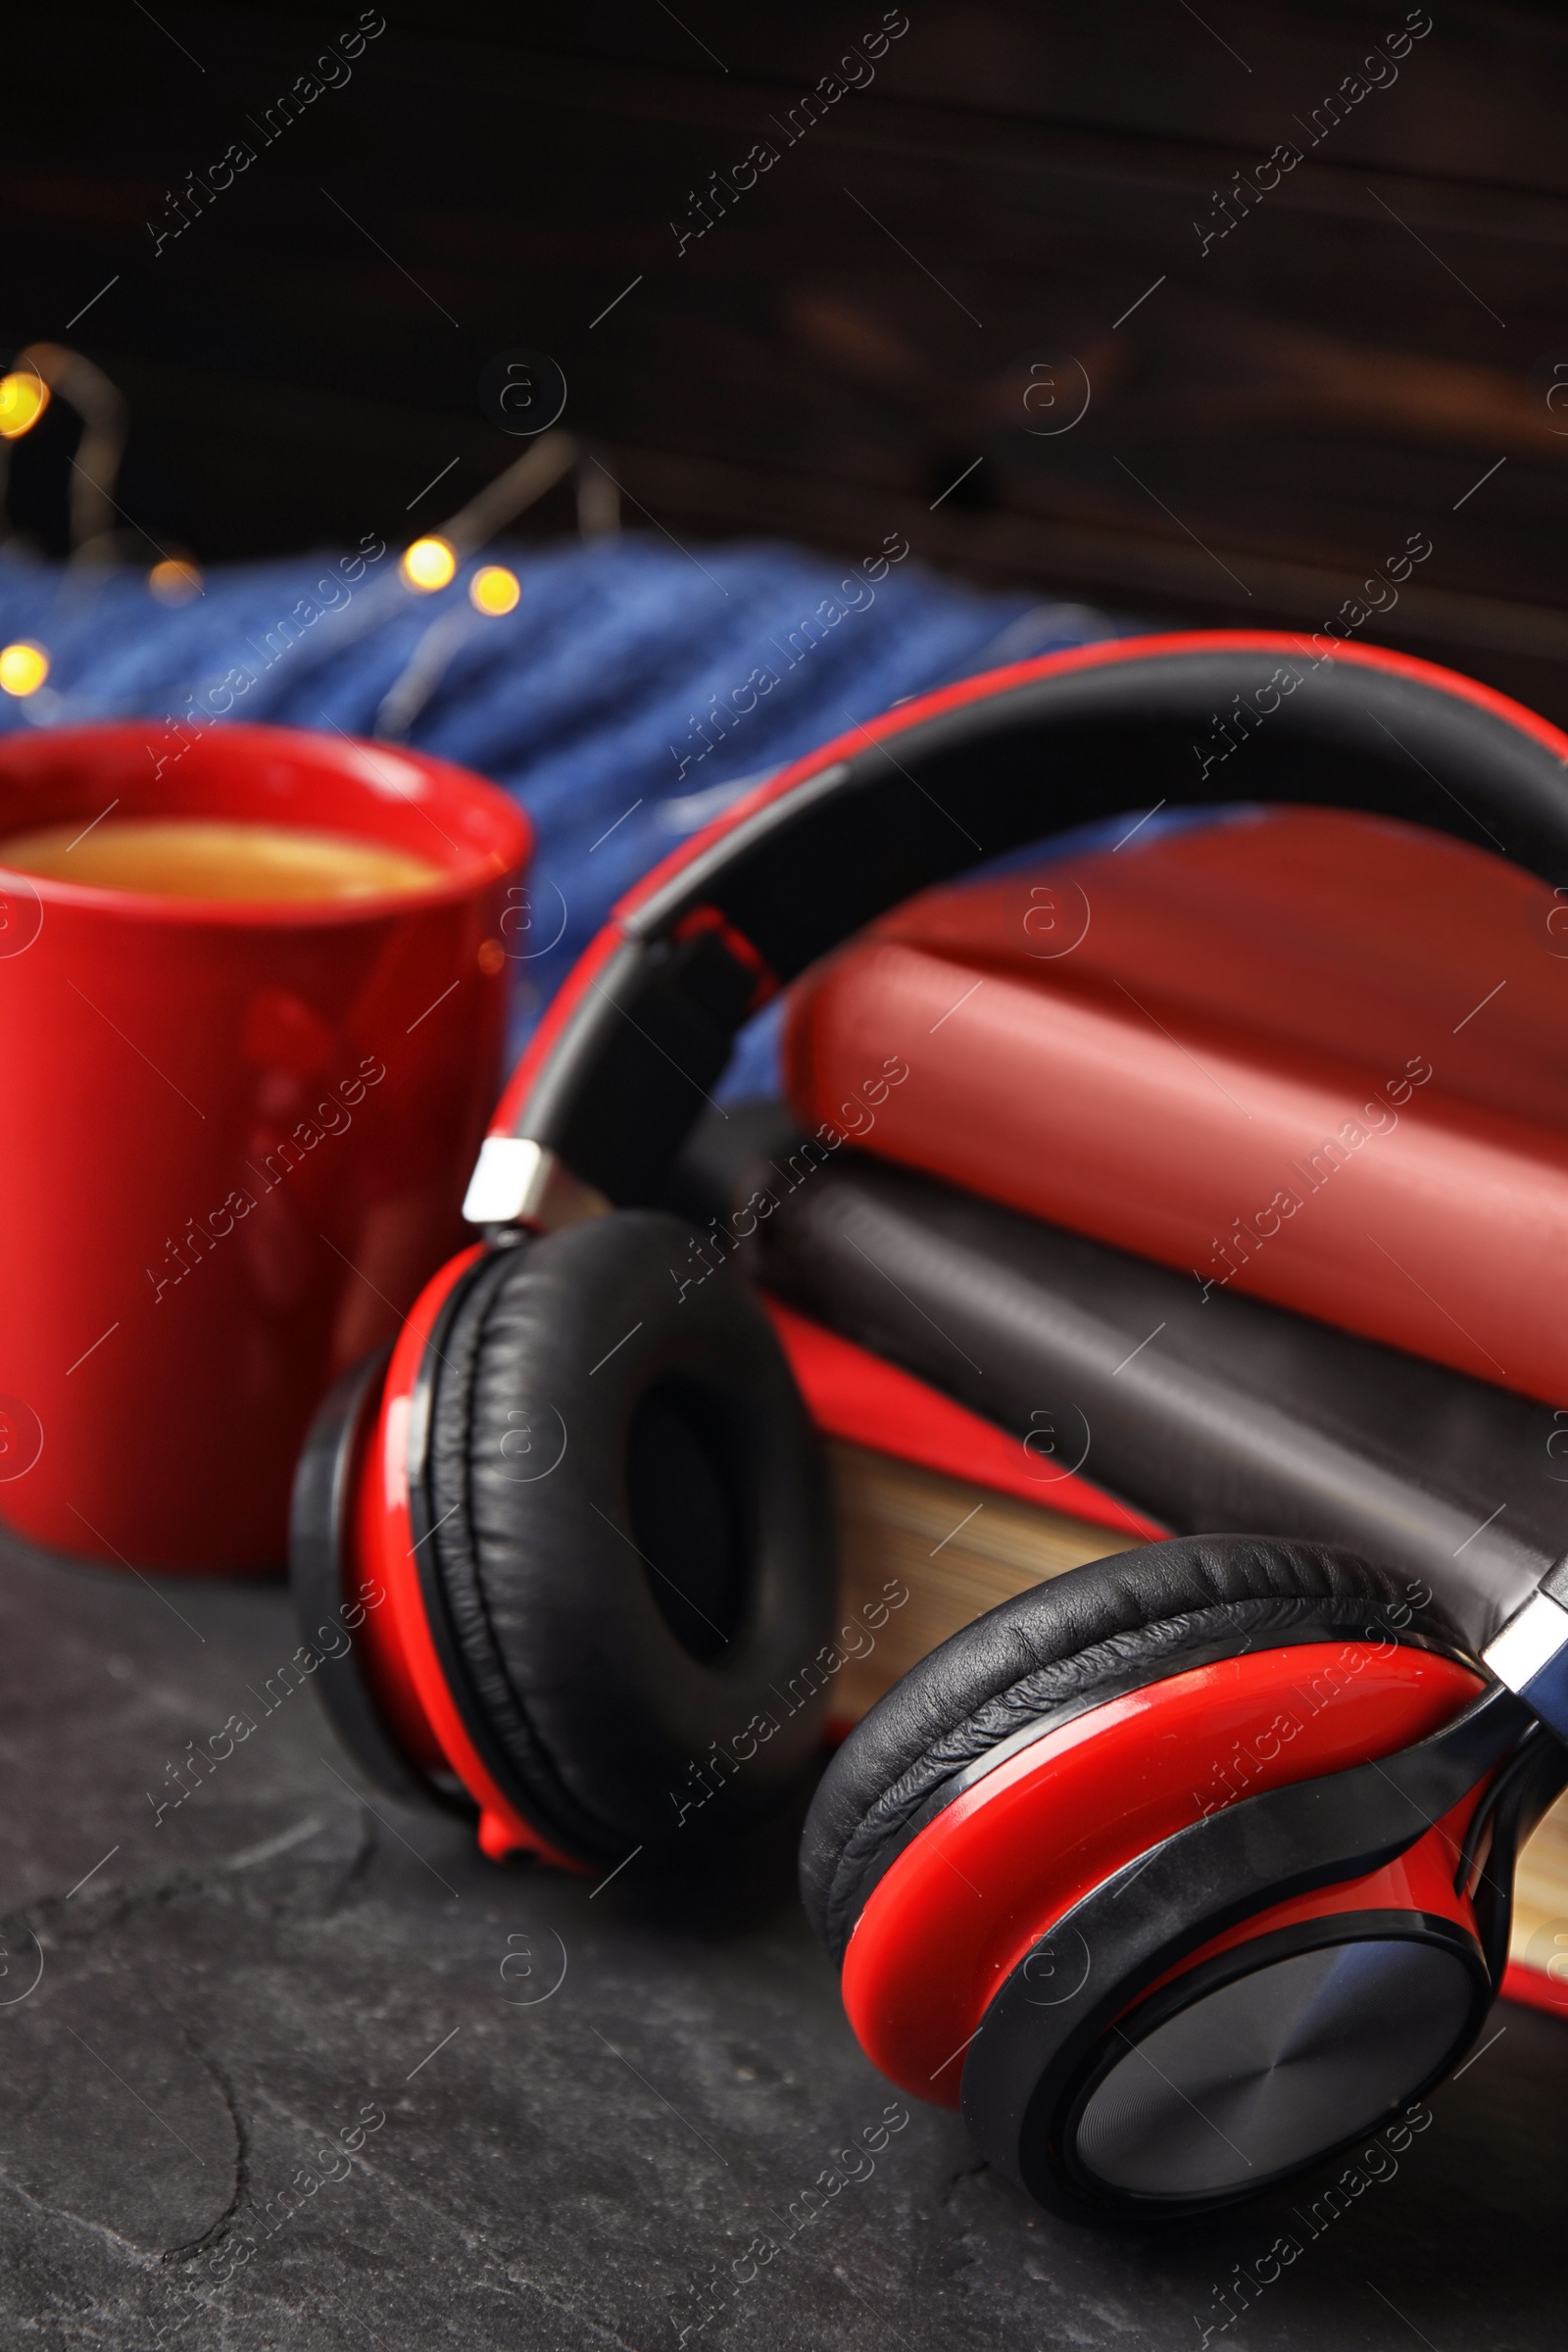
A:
237,1134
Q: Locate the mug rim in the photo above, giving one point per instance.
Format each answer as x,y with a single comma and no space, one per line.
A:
500,840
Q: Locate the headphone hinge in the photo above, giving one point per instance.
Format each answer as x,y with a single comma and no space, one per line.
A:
1531,1653
519,1183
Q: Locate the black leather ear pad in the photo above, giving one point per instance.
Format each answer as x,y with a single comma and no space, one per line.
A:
1084,1638
629,1538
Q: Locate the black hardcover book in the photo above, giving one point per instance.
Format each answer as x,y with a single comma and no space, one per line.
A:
1210,1411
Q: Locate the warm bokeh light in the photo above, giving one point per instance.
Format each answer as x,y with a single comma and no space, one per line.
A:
24,669
428,564
494,589
23,398
174,581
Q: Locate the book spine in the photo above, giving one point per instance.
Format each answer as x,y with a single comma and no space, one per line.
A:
1207,1415
1308,1180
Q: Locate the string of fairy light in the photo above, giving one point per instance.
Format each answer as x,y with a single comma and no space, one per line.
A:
428,565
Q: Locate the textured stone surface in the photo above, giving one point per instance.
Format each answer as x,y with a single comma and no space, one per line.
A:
274,1964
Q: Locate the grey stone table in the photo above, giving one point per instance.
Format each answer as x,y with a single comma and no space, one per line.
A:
303,2071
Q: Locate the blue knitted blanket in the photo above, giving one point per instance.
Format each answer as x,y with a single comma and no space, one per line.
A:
634,690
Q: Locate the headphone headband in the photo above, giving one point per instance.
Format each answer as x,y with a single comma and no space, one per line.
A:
642,1028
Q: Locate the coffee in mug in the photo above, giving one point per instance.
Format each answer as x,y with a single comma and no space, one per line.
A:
212,858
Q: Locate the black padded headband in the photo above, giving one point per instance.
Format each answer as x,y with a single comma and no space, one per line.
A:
645,1024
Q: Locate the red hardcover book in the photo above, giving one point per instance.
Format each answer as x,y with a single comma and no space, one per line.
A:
1316,1056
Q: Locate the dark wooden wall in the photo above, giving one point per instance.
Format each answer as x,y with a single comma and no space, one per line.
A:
1284,410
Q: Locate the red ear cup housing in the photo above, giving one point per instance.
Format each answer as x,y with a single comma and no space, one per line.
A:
1200,1797
619,1564
1113,1629
338,1614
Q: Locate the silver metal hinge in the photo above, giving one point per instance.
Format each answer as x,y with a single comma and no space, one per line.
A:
518,1181
1530,1656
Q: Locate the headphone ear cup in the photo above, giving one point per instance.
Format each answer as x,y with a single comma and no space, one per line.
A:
629,1546
1062,1888
1087,1637
325,1481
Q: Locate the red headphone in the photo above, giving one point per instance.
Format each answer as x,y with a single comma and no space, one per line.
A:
578,1525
